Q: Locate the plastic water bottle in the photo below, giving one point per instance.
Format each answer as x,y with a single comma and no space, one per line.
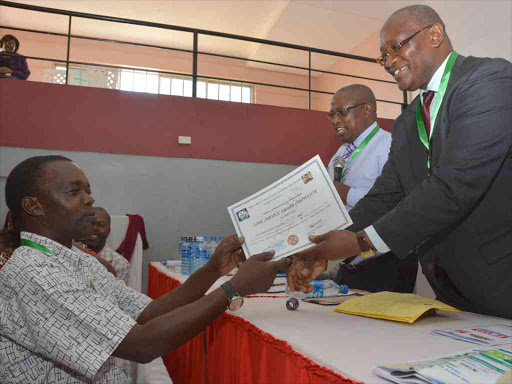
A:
198,250
323,288
183,247
212,245
205,252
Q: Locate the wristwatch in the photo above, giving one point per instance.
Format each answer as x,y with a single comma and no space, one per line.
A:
364,245
235,301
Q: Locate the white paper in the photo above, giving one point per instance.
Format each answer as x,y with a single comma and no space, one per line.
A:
489,335
281,216
478,366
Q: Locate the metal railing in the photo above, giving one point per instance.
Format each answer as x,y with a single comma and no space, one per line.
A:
195,52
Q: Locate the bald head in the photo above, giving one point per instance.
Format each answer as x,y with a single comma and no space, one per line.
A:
418,15
413,44
360,92
353,109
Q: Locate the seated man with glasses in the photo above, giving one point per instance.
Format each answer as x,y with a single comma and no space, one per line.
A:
444,194
354,169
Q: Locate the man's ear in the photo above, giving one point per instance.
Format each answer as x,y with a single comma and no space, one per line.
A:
32,206
437,35
368,109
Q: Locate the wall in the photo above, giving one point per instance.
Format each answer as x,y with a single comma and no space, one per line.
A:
382,91
126,142
54,47
175,196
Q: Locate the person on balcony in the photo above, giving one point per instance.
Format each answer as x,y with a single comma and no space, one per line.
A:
12,64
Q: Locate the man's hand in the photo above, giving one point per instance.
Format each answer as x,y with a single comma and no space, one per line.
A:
333,245
227,255
257,274
342,191
5,71
308,264
303,271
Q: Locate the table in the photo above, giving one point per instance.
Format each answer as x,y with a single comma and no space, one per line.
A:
265,343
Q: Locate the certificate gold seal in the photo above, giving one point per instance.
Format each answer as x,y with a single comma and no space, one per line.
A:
293,239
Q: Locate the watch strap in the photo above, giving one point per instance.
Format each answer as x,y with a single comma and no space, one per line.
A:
364,245
230,290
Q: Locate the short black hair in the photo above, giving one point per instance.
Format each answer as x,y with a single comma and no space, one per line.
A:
11,37
25,180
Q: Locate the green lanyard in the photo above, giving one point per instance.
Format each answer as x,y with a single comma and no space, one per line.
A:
42,248
359,148
39,247
422,132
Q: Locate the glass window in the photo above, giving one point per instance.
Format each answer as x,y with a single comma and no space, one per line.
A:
187,88
213,91
126,80
177,87
201,89
152,82
224,90
165,85
236,93
246,95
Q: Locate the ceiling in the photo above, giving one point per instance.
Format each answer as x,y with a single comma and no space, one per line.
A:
338,25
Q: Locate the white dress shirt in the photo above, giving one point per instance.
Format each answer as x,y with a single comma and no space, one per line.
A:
362,171
366,166
433,85
120,264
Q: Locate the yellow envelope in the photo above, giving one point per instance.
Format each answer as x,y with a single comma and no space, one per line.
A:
404,307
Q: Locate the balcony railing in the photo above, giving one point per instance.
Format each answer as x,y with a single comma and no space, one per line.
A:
196,33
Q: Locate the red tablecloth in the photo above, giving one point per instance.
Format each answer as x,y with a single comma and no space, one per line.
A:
238,352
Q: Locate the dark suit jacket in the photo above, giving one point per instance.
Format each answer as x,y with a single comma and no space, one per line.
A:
457,216
384,273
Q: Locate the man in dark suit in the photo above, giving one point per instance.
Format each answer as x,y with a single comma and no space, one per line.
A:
445,193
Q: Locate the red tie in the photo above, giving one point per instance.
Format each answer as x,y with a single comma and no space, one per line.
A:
425,110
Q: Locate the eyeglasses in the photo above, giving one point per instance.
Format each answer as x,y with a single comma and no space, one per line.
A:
395,51
343,112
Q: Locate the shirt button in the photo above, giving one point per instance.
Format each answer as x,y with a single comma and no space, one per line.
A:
430,267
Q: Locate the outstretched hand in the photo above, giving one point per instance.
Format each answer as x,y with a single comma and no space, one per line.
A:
258,273
310,263
303,271
228,255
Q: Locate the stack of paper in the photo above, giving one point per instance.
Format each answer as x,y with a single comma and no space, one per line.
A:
394,306
478,366
496,334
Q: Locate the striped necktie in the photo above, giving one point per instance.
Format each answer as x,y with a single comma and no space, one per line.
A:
346,158
425,110
348,152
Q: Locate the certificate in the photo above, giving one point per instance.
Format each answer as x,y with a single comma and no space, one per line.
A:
281,216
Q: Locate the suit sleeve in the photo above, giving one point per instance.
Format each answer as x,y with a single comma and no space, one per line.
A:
478,142
387,191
